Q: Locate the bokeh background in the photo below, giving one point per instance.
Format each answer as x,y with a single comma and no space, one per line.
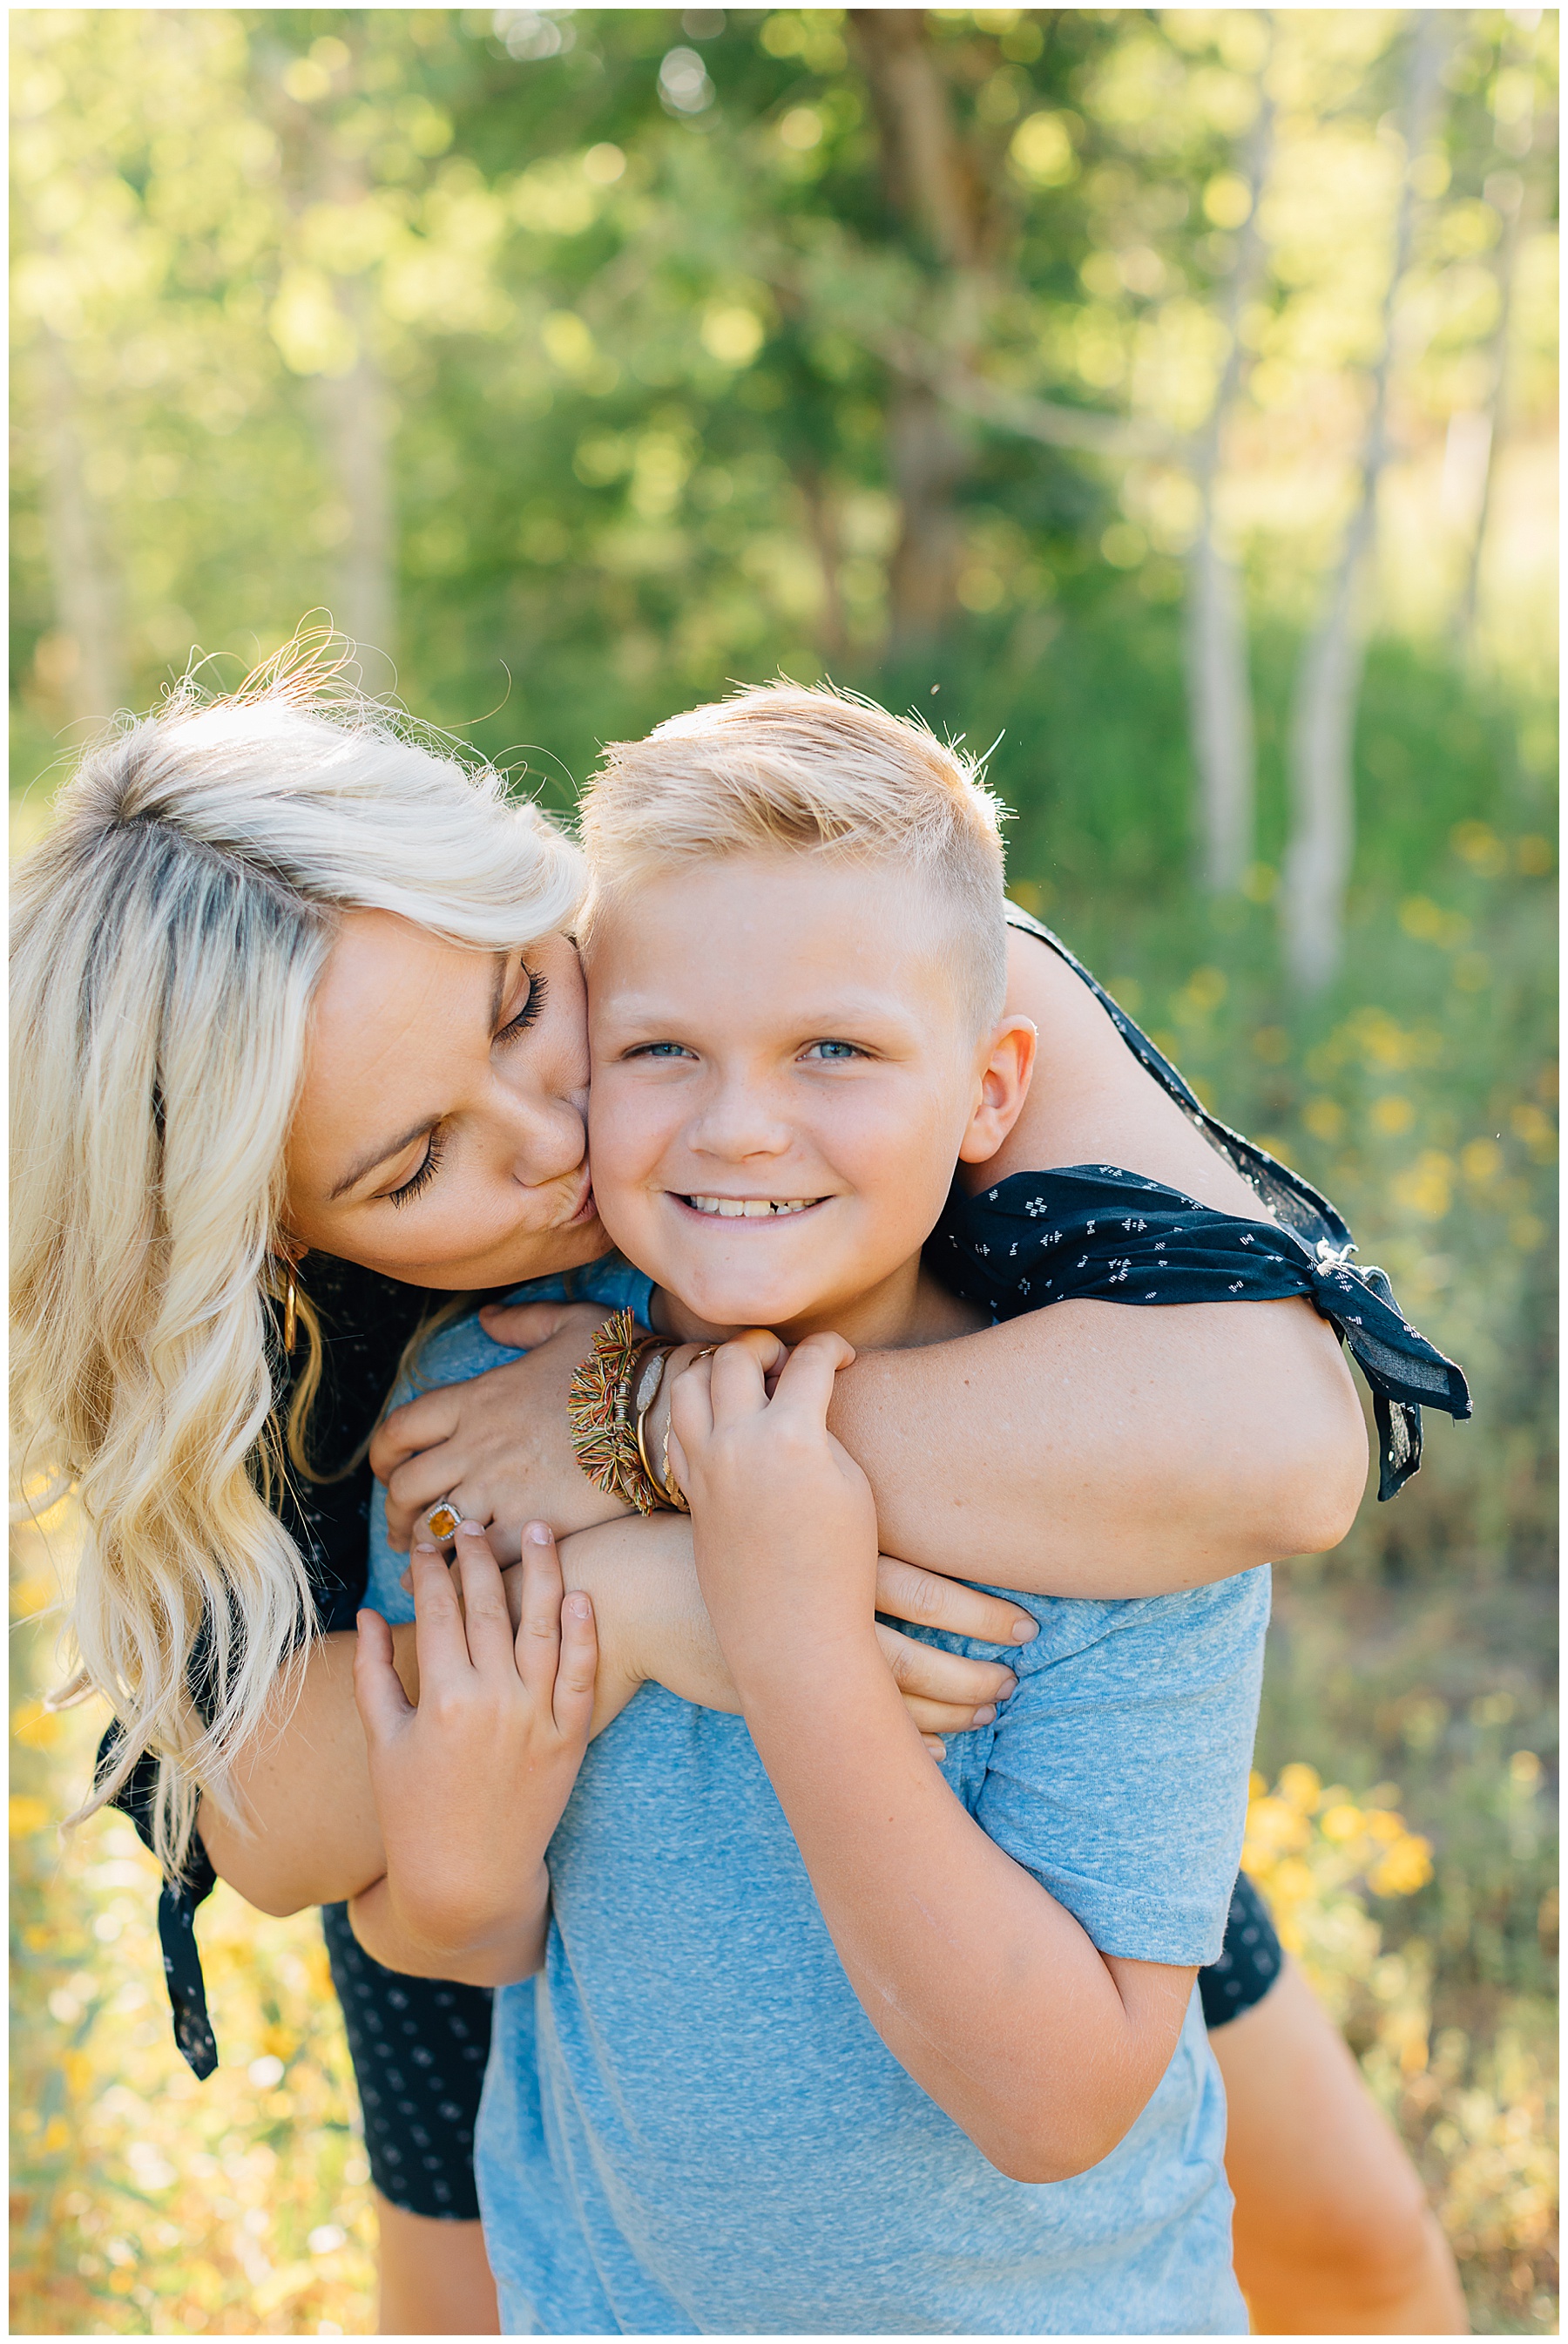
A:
1165,397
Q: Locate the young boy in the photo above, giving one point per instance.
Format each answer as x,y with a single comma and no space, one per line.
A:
828,2039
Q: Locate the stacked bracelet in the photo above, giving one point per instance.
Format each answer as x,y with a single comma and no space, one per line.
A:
610,1395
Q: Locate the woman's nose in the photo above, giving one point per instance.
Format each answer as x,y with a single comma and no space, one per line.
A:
541,1135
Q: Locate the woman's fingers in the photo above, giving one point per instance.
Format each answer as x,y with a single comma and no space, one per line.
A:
908,1592
538,1636
419,1423
486,1618
379,1694
931,1673
420,1483
944,1717
576,1669
524,1326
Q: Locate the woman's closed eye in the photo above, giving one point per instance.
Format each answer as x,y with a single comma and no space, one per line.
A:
539,987
421,1180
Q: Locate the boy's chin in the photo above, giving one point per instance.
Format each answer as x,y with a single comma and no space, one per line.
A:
734,1303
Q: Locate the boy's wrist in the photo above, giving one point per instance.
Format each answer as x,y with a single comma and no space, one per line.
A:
795,1665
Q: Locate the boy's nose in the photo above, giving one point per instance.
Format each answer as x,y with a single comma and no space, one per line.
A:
737,1122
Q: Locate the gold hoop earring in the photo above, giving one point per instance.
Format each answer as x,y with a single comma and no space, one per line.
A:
290,1311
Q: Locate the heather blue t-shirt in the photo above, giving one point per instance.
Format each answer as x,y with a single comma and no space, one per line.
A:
690,2126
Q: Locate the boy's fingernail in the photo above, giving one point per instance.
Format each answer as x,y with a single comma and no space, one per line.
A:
1023,1628
578,1605
471,1529
986,1716
1003,1690
423,1549
538,1534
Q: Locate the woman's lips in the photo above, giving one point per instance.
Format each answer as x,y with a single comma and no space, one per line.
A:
579,1201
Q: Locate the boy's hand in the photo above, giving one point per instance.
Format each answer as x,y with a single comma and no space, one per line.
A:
783,1519
470,1784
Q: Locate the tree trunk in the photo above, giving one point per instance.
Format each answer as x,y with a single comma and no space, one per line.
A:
1506,190
938,198
89,665
928,462
822,508
1219,686
1322,848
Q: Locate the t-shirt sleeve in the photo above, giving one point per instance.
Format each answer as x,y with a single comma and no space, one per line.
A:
1117,1770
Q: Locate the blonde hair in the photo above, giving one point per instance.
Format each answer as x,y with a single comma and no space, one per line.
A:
785,769
167,938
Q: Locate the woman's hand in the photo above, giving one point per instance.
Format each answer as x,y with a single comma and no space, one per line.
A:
498,1446
469,1784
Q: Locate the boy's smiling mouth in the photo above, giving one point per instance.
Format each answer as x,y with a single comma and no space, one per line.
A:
750,1209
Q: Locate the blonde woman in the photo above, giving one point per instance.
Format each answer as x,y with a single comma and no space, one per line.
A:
296,1014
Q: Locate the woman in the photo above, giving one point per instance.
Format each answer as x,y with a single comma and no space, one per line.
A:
256,926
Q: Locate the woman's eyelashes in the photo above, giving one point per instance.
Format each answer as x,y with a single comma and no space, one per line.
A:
539,987
427,1172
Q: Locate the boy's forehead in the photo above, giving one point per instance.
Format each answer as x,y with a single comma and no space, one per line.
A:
845,922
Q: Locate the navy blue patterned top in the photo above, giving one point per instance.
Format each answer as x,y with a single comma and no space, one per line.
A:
1098,1232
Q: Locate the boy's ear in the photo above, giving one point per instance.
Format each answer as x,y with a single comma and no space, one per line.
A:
1004,1080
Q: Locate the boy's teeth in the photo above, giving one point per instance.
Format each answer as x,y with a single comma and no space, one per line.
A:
749,1209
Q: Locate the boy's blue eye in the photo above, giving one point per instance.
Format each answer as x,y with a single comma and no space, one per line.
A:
661,1050
834,1052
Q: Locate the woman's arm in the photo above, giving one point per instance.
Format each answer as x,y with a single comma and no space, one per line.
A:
309,1834
1107,1450
1118,1451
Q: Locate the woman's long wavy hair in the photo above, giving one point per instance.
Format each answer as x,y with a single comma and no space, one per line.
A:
167,938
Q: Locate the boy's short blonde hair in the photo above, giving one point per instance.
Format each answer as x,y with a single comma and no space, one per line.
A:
788,770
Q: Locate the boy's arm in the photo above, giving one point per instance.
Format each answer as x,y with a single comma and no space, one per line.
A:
980,1982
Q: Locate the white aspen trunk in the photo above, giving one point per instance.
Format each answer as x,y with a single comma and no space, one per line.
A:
1322,848
1510,201
91,667
1219,685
